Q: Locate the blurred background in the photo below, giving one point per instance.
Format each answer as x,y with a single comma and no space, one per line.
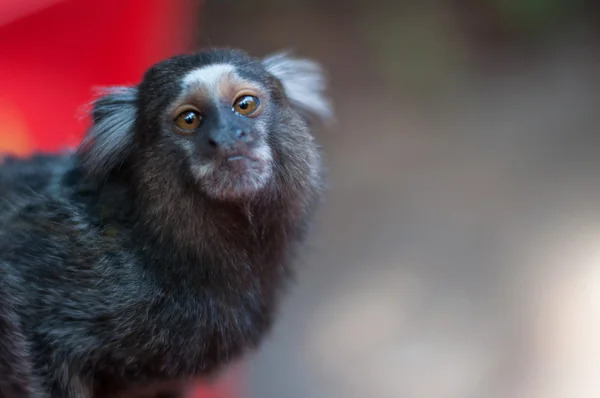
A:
457,254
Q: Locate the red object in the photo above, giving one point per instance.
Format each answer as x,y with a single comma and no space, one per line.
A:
54,52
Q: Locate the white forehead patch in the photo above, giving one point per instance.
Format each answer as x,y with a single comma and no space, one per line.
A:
207,77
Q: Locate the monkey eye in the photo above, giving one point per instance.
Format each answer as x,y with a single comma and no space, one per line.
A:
188,120
246,105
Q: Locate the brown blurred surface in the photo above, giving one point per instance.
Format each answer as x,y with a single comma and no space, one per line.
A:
458,252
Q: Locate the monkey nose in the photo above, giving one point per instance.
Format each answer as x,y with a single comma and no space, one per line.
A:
232,138
240,134
231,144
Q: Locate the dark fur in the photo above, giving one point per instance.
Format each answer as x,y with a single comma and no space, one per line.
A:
116,271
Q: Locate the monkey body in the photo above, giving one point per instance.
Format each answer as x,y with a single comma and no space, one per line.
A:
122,267
99,290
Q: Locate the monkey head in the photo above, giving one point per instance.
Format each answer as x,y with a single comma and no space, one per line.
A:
220,121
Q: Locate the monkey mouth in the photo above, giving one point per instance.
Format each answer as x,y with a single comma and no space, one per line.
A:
236,158
239,155
241,160
236,174
238,162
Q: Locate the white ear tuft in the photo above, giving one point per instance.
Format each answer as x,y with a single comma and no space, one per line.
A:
303,81
109,141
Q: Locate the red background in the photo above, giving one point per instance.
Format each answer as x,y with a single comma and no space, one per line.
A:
56,51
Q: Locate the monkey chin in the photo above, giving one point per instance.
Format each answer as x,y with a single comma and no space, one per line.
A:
236,177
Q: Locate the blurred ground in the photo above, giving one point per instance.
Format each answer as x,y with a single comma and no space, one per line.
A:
458,252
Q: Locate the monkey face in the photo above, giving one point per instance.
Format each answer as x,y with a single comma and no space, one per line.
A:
220,121
234,124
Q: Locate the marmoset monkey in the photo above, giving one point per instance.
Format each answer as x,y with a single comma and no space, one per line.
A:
158,251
